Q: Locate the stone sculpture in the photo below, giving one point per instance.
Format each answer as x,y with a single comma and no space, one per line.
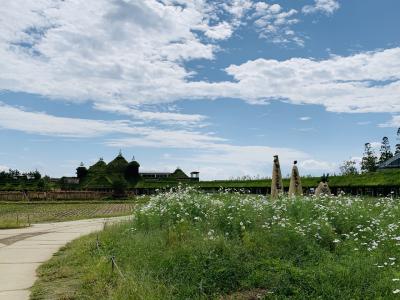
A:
295,188
277,184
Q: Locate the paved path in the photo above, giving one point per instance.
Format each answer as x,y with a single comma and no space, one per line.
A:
23,250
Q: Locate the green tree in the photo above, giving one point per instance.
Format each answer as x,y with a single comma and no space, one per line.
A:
386,153
369,160
349,167
35,175
81,171
42,185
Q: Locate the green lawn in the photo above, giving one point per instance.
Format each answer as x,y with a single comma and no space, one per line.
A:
14,215
376,179
190,245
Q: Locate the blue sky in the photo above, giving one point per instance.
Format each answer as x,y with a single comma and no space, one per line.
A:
214,86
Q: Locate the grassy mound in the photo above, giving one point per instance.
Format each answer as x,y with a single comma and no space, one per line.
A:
189,245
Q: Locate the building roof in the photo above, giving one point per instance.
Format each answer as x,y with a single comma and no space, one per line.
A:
155,173
393,162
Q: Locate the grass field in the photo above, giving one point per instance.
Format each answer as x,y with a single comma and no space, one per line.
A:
14,215
189,245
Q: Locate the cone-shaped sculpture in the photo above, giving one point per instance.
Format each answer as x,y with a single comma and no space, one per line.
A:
277,184
323,187
295,188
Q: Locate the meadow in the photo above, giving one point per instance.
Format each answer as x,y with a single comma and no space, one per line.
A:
191,245
15,215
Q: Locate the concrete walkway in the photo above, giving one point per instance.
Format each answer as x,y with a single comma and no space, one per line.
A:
23,250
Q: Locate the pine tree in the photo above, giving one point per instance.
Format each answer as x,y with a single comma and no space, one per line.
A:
386,153
81,171
369,160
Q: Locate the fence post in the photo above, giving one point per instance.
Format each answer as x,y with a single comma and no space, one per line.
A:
112,263
97,243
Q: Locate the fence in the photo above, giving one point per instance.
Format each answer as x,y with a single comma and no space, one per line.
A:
53,195
110,257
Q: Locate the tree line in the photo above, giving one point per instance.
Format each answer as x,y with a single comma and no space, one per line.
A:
17,175
370,160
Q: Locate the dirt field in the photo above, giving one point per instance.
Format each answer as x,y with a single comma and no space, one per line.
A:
14,215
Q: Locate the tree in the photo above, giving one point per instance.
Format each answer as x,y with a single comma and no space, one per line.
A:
369,160
386,153
14,173
349,167
81,171
325,178
397,151
35,175
42,185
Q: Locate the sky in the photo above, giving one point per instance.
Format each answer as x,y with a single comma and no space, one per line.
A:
217,87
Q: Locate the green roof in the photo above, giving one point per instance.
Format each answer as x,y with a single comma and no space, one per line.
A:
118,165
376,179
100,166
134,163
98,182
178,174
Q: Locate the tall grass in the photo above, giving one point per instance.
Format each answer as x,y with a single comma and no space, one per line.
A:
189,245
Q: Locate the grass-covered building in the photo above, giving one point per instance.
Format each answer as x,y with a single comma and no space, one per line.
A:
103,176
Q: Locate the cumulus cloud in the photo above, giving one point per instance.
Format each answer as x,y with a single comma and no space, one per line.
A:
323,6
275,24
99,50
364,82
123,54
220,31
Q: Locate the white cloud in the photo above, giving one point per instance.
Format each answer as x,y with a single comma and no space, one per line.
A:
101,51
220,31
324,6
44,124
4,168
305,118
316,165
394,122
365,82
375,145
275,24
164,117
122,54
237,8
